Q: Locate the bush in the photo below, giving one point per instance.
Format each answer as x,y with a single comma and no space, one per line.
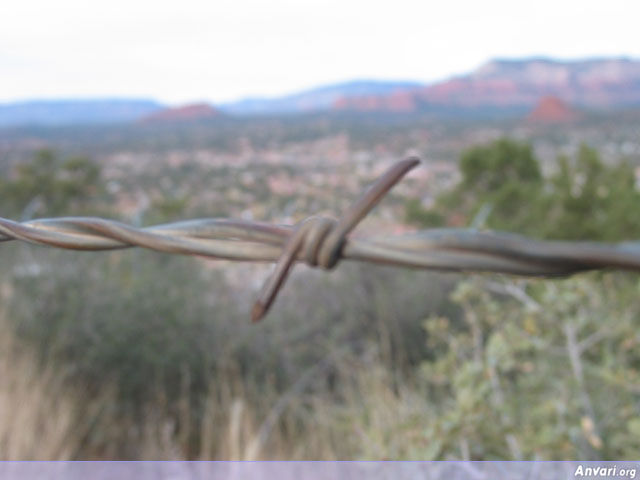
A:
502,187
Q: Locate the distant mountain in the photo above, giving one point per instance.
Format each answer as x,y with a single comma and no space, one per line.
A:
399,101
185,113
552,110
498,86
594,83
322,98
67,112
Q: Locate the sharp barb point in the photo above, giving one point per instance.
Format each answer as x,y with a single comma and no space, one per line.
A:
258,312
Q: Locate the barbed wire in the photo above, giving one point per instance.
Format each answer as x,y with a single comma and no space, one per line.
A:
323,242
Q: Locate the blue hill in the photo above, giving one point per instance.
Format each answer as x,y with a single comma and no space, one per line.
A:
321,98
68,112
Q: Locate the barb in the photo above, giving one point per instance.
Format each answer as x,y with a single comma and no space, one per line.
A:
324,242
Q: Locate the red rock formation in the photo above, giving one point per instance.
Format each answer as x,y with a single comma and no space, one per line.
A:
592,83
551,110
196,111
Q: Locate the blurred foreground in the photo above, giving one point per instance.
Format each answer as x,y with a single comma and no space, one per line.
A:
138,355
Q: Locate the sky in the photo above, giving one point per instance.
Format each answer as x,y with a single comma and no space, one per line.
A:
219,50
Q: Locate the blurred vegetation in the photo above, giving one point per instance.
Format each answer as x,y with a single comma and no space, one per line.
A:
528,370
552,377
49,185
154,356
502,188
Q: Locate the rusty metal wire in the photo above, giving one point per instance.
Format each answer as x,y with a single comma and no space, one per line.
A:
324,242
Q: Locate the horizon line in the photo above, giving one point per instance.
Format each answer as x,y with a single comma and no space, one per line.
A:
310,89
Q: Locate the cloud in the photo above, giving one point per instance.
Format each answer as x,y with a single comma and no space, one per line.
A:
188,50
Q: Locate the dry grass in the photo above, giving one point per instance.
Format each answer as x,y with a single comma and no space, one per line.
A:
367,414
370,418
38,414
42,418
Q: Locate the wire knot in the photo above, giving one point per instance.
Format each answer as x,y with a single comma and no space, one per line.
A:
319,241
317,247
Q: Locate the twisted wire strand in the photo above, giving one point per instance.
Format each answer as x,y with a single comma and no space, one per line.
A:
324,242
